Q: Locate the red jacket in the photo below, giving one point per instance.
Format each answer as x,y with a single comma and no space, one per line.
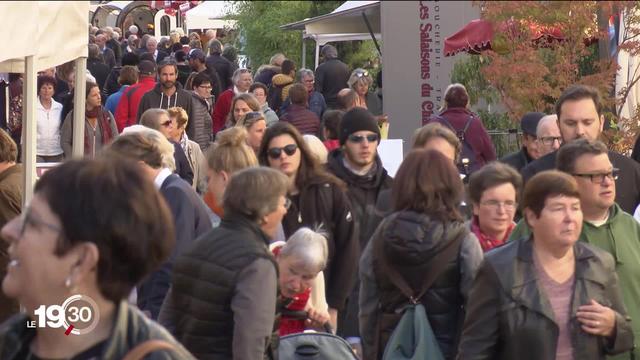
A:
221,110
130,101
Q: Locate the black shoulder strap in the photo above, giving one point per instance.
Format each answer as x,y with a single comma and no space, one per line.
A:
442,120
448,252
466,126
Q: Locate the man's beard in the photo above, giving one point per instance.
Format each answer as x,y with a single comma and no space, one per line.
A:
168,84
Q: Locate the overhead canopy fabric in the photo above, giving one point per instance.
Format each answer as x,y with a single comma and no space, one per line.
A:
55,32
208,15
346,19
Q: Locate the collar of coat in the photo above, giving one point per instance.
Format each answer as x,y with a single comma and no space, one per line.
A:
525,288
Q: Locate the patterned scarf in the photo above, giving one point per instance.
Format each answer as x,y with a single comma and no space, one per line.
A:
487,243
101,114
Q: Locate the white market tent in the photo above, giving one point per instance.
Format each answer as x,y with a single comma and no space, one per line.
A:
353,20
44,34
208,15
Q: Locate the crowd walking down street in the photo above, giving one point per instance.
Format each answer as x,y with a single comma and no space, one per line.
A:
218,213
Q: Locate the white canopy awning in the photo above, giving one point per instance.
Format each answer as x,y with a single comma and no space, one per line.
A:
208,15
346,19
53,31
44,34
353,20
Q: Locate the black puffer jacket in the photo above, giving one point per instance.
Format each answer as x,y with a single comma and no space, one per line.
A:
410,242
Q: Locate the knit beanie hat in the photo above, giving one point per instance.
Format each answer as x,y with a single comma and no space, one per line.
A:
357,119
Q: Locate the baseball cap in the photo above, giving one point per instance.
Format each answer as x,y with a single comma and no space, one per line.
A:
196,54
147,67
529,122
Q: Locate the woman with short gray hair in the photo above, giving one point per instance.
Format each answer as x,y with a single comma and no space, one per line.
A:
223,297
301,261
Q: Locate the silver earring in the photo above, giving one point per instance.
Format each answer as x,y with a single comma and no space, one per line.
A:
67,282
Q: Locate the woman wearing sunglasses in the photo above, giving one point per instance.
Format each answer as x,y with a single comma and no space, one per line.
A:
317,199
255,124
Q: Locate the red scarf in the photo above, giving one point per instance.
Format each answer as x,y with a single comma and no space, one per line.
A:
487,243
101,114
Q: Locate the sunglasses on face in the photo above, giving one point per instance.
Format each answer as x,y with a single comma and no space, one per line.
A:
275,153
166,123
360,138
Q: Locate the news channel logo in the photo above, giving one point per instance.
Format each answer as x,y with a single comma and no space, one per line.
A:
78,315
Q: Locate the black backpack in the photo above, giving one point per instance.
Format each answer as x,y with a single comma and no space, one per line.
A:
467,163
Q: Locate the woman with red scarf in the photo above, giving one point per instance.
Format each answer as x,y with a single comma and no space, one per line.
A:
494,191
99,128
300,262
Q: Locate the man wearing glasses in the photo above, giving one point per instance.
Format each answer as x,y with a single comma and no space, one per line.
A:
548,135
530,146
580,116
357,163
605,224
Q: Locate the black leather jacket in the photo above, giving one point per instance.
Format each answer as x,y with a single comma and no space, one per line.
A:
509,317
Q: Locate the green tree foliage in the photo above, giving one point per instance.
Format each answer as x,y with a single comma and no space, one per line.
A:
259,25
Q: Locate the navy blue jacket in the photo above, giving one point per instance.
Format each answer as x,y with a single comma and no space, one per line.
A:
191,221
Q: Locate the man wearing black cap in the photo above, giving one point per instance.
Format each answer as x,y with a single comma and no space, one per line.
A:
529,150
357,163
127,109
198,65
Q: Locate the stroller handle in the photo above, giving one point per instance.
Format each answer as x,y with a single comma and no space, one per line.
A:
303,315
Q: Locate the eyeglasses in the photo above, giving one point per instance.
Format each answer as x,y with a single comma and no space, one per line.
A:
549,140
508,205
361,73
275,153
287,203
357,139
208,87
27,219
166,123
599,177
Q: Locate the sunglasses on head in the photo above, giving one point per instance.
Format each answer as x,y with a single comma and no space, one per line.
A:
362,73
275,153
360,138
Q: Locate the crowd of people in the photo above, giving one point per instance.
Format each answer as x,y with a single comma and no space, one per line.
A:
213,205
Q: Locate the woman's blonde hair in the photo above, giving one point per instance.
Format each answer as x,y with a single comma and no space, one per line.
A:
182,119
249,99
230,152
251,118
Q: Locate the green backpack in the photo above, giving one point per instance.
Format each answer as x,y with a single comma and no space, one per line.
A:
413,337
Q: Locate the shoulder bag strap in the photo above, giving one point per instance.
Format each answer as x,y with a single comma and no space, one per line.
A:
147,347
466,126
439,261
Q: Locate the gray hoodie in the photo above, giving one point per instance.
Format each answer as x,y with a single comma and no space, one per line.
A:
156,99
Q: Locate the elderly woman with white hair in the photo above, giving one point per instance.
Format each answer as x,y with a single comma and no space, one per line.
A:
301,261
